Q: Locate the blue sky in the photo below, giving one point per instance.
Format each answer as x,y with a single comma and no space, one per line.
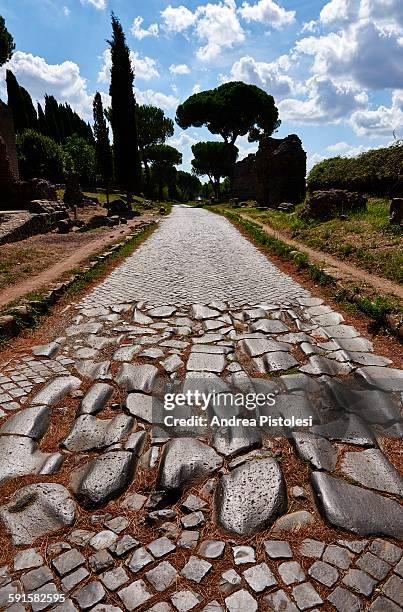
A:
334,67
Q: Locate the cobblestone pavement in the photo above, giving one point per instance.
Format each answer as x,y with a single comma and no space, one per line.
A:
195,257
110,508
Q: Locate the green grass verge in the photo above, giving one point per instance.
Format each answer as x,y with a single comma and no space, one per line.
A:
366,239
350,298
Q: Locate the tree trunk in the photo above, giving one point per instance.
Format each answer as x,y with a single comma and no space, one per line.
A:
217,188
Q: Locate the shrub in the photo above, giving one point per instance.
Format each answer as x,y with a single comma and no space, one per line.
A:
81,158
375,172
40,156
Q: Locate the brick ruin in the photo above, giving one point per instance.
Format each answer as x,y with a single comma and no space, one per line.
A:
275,174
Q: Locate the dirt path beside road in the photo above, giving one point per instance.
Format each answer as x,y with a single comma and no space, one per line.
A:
345,270
67,251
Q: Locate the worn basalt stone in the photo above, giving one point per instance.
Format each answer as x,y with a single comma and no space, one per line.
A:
232,441
103,478
371,469
137,377
184,461
37,510
356,509
96,398
251,497
56,390
20,456
89,432
31,422
318,451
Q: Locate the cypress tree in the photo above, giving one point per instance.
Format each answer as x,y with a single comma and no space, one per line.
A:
125,145
16,103
32,119
103,147
52,118
42,125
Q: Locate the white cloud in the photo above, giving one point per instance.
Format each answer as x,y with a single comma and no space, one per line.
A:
245,147
144,68
310,26
327,102
382,121
177,19
338,147
63,81
196,88
386,14
218,25
100,5
269,76
267,12
362,52
157,98
339,11
345,150
179,69
66,11
139,32
215,25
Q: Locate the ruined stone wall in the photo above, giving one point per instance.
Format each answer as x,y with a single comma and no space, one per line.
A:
280,171
276,174
243,182
20,226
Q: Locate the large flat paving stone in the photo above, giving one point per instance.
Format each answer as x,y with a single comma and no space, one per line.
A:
96,398
36,511
259,346
355,509
279,361
269,326
103,478
203,362
232,441
89,432
20,456
371,469
56,390
184,461
137,377
315,449
387,379
31,422
318,365
251,497
135,595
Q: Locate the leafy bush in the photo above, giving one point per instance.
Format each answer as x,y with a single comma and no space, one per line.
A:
40,156
80,157
374,172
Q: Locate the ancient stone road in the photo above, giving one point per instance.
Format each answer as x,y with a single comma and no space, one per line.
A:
196,257
120,511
